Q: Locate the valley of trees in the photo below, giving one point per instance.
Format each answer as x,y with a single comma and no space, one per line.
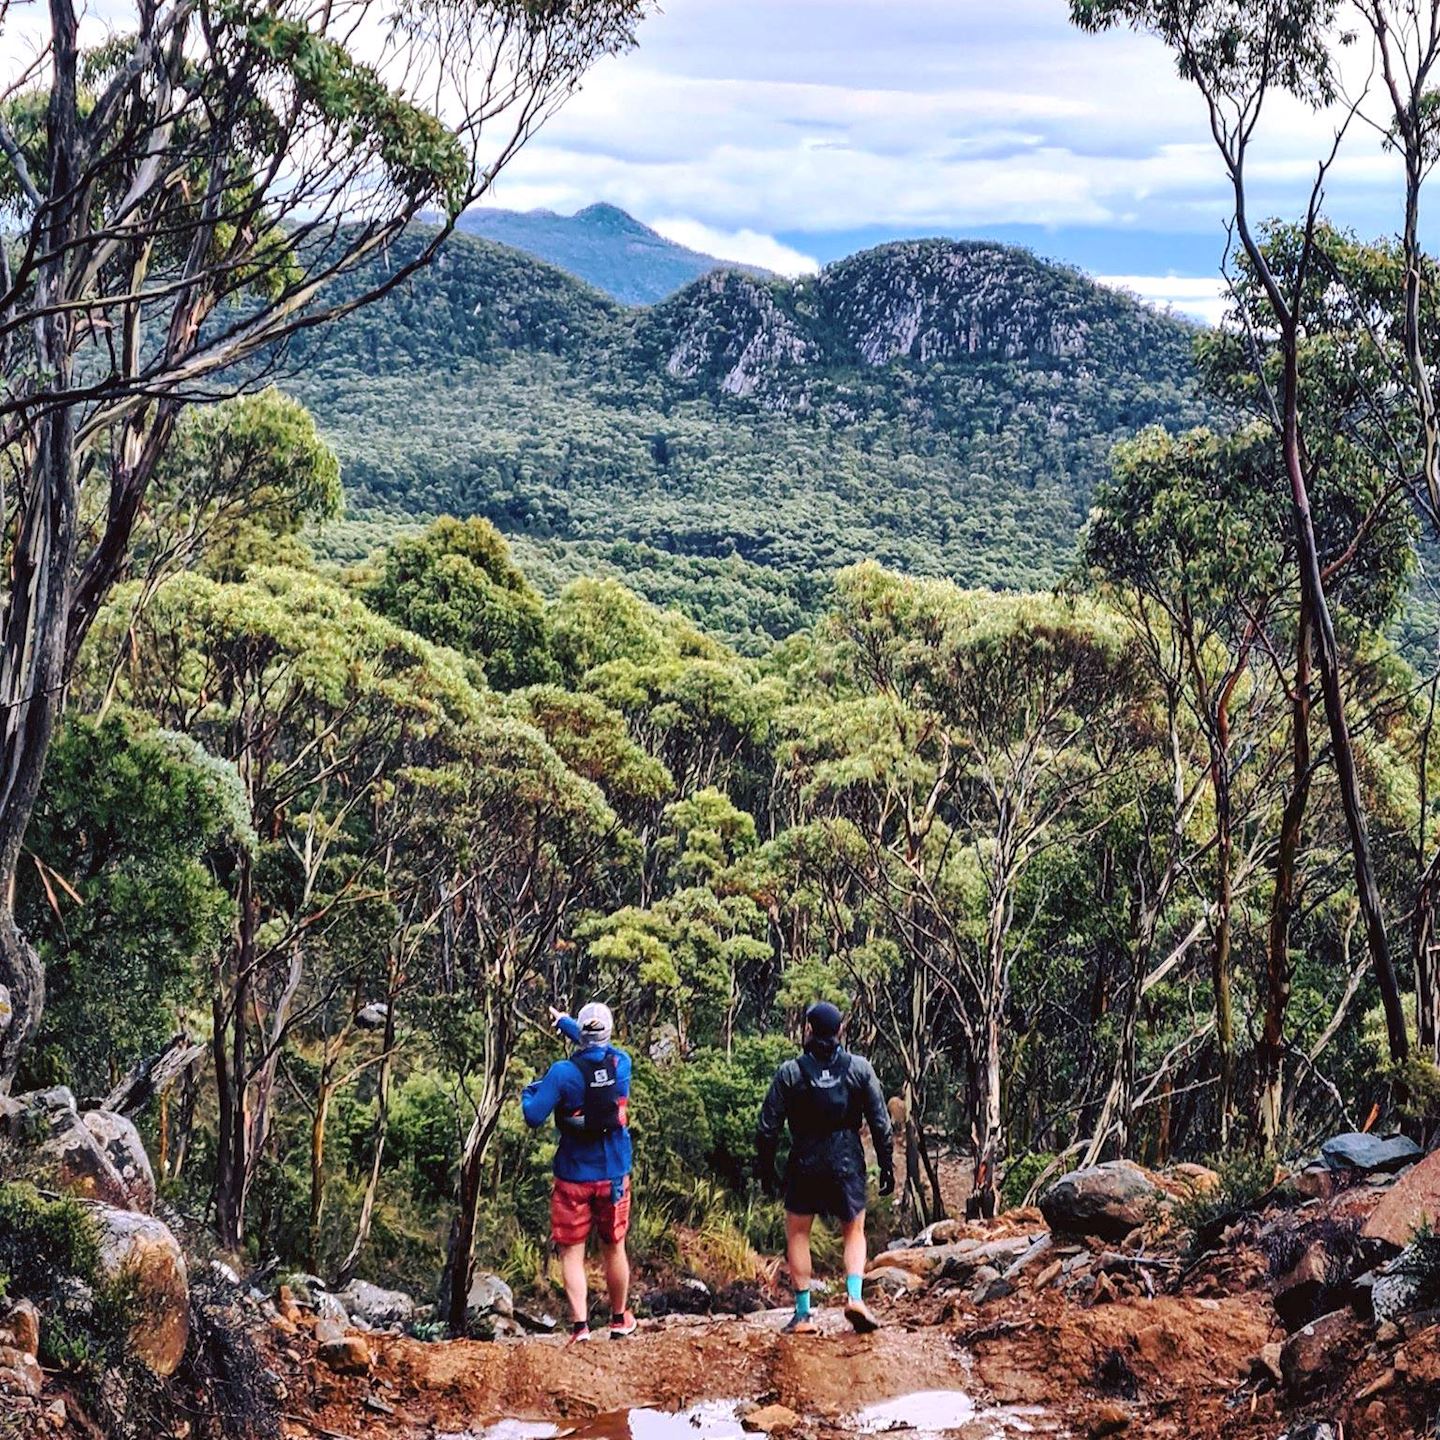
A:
1143,860
645,444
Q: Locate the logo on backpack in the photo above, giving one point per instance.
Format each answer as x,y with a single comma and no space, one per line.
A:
603,1112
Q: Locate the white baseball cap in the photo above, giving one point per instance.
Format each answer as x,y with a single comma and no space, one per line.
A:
596,1023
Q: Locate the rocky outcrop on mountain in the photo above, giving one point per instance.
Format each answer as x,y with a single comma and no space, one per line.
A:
945,300
920,303
735,334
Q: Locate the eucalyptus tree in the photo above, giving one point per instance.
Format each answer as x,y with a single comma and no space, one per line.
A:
1242,57
318,704
178,198
1165,539
980,725
457,585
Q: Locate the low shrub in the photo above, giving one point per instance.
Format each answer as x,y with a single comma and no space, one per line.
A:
1245,1179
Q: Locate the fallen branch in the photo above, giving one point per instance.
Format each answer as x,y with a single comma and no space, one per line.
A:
153,1076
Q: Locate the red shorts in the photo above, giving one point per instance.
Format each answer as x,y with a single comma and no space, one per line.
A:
577,1205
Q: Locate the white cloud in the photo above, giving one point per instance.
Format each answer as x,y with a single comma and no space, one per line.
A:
1202,298
813,116
747,247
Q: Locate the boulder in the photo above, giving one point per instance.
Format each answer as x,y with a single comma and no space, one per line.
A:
1265,1363
346,1355
893,1280
1415,1201
1393,1295
20,1328
1194,1179
1298,1291
490,1295
1370,1153
372,1016
1317,1181
66,1153
20,1374
1108,1200
121,1142
381,1308
142,1248
1311,1353
329,1307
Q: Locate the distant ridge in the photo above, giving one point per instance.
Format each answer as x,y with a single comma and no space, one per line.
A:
602,246
943,406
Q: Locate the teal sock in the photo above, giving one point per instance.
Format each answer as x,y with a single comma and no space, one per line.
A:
802,1303
852,1286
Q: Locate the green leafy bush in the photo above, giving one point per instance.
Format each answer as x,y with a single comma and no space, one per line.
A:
1021,1176
1245,1178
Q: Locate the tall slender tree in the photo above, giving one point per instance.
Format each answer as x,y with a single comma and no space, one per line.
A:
177,202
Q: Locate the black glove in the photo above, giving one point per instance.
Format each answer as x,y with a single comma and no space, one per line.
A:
887,1180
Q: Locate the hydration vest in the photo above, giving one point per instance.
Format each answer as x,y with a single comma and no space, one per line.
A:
826,1104
604,1109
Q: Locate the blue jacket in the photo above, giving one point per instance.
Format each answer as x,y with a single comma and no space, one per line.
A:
579,1157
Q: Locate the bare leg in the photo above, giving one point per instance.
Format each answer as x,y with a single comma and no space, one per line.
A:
797,1248
572,1271
617,1276
852,1232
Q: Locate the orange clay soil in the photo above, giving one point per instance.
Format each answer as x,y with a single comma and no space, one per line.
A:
1189,1359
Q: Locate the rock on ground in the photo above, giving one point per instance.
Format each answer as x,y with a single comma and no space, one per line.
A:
20,1328
490,1295
1108,1200
121,1142
1370,1153
1414,1201
141,1247
346,1355
1298,1291
376,1306
770,1420
1311,1353
19,1374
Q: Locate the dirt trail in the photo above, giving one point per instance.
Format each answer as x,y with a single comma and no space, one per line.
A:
1187,1358
668,1366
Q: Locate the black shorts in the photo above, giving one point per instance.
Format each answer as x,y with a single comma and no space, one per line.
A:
838,1197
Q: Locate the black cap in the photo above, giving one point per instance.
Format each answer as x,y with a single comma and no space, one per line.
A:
824,1020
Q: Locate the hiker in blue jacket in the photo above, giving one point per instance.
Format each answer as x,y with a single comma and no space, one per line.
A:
589,1095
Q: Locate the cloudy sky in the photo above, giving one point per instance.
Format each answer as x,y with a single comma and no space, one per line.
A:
791,132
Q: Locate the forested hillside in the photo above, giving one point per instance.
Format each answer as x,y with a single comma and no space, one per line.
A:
943,408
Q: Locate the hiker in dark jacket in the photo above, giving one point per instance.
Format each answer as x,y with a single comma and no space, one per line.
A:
825,1095
589,1096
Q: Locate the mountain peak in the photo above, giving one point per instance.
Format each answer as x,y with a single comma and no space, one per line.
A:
602,216
601,245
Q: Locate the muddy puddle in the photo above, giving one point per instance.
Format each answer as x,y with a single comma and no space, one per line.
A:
924,1415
